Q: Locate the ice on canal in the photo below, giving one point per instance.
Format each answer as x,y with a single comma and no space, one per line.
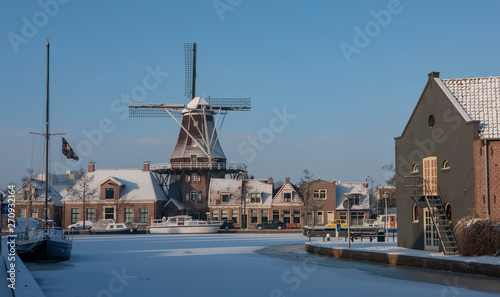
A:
224,265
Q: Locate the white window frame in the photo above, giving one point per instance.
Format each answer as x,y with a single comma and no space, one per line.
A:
291,196
256,197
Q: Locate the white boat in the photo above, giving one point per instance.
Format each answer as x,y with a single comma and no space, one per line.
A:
183,225
108,226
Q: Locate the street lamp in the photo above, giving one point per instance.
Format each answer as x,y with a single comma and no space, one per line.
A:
347,205
386,197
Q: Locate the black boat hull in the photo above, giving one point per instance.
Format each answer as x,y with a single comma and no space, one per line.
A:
47,250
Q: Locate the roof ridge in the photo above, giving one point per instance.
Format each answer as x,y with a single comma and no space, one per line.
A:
470,78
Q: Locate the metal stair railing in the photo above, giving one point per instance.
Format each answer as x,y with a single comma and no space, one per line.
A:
443,226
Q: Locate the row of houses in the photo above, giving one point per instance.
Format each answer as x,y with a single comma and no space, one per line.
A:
135,196
252,202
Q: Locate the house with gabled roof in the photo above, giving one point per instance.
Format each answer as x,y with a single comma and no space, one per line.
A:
359,195
288,204
30,201
125,195
225,200
447,161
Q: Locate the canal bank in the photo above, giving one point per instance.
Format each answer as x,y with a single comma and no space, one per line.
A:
389,253
16,279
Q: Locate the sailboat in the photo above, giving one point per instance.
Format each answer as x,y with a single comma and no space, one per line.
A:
42,240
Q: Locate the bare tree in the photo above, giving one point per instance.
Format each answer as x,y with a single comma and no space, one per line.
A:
83,191
29,194
278,184
390,173
120,203
372,193
305,186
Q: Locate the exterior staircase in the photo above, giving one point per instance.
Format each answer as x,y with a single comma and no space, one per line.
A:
436,205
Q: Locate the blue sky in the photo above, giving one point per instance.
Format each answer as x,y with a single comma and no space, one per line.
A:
350,72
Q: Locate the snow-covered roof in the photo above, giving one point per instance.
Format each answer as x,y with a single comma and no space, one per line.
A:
137,184
261,186
176,202
110,178
480,99
225,184
288,187
342,189
63,192
39,186
233,186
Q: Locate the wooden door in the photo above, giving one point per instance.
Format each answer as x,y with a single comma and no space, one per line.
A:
330,217
430,175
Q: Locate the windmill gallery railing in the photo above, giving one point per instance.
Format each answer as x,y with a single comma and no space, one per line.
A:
197,165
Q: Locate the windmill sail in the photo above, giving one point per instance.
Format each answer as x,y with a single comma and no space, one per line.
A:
190,59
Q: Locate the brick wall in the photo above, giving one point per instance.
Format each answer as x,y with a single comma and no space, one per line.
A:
480,179
154,210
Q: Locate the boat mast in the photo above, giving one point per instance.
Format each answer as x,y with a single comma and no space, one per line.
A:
47,135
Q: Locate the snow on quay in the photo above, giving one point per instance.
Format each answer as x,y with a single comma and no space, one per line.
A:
391,247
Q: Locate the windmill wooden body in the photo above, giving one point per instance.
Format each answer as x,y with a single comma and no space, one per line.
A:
197,156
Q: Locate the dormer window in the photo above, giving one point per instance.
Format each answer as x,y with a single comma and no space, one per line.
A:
110,193
287,196
225,197
255,197
356,199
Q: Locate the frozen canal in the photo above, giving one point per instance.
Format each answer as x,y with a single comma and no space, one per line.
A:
228,265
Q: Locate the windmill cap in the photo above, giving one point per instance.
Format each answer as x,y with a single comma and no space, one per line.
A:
195,103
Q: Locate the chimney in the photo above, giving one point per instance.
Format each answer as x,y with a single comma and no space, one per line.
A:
287,180
91,166
145,166
434,74
270,181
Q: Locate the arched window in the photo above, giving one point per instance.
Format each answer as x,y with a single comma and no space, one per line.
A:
414,213
447,211
414,168
446,165
431,121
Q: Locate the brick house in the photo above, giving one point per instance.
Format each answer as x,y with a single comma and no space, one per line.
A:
379,207
125,195
288,205
225,201
359,193
325,201
448,151
31,196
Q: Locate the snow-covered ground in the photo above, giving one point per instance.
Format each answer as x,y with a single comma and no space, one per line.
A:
224,265
391,247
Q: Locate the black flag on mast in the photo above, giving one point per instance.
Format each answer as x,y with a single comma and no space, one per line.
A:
68,151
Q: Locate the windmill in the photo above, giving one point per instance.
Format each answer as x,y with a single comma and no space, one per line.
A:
197,155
